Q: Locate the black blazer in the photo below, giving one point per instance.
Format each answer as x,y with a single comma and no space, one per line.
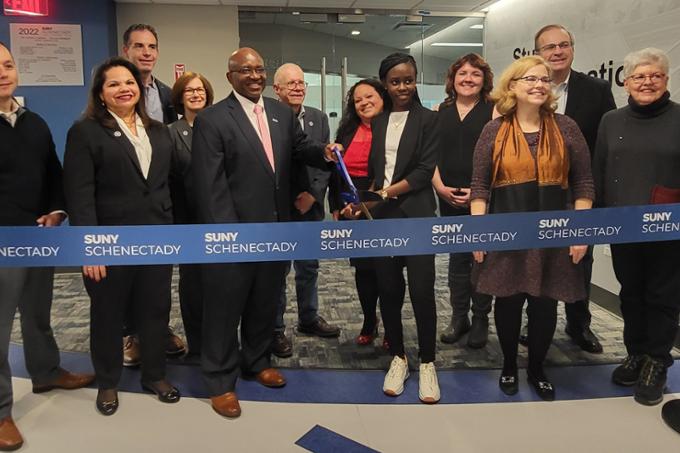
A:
588,99
417,157
231,176
180,183
311,179
165,93
103,181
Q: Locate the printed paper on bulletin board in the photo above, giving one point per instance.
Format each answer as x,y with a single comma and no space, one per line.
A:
48,54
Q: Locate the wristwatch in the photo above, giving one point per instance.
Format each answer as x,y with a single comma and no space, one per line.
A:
383,194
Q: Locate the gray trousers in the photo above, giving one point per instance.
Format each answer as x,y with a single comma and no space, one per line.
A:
29,289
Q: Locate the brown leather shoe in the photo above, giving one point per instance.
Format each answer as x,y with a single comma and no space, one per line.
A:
174,345
10,437
226,405
132,356
270,377
66,380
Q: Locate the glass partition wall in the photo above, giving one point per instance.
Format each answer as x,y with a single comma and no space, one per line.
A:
335,49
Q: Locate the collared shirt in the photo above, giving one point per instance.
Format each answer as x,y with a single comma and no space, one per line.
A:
561,91
395,127
249,109
13,114
152,96
140,142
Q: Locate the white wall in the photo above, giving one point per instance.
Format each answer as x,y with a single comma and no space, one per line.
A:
201,37
605,31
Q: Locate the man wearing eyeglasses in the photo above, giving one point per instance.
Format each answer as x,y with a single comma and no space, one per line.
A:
308,186
584,99
140,46
242,153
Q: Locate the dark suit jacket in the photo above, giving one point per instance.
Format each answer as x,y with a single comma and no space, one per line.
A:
311,179
232,178
165,93
417,157
103,181
180,182
588,99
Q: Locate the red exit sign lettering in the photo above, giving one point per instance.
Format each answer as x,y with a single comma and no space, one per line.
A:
25,7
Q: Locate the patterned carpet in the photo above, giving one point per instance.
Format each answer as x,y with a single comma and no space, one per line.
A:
339,305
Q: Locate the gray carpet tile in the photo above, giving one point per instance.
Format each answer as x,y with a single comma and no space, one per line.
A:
338,304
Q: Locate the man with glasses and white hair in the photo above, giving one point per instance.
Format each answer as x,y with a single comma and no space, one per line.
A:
308,188
584,99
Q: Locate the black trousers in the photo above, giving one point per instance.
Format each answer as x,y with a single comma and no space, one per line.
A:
366,282
649,274
542,314
460,270
245,293
392,288
146,289
578,313
191,304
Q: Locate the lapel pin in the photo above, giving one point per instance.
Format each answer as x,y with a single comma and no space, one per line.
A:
275,120
185,133
117,134
311,123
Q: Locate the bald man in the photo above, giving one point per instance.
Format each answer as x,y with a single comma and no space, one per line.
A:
309,186
243,148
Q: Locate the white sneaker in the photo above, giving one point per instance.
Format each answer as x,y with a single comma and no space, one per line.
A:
428,386
396,376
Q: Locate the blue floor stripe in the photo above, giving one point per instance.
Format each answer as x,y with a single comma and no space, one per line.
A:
323,440
365,387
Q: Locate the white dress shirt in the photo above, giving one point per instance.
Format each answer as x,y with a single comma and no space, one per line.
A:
11,116
140,142
561,91
249,108
395,127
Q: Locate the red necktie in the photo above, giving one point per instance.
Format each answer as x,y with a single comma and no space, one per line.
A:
264,135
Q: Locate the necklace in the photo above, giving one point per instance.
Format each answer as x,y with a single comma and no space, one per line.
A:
398,120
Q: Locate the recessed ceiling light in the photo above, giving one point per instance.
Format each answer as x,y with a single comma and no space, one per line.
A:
295,13
457,44
356,32
477,26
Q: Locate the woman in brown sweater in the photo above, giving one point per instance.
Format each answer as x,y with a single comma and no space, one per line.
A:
530,159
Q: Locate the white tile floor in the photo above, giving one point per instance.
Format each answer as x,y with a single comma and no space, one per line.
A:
63,421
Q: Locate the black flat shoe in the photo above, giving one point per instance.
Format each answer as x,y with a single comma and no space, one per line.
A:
509,383
544,388
171,395
107,401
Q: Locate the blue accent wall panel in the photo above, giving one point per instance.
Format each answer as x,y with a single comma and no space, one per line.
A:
61,106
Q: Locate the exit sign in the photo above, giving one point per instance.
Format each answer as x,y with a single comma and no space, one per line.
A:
25,7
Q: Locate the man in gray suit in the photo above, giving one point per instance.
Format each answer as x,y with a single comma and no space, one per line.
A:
308,186
30,195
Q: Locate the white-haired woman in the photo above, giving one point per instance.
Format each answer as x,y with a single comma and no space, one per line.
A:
637,162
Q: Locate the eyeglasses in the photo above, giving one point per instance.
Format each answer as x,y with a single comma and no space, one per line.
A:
533,80
551,47
191,91
247,71
293,84
639,79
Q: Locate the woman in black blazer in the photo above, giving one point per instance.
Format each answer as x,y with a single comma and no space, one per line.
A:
191,93
116,170
402,161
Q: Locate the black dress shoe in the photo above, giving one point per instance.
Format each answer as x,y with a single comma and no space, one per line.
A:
166,392
107,401
479,332
524,336
584,338
319,328
670,412
281,346
543,387
509,383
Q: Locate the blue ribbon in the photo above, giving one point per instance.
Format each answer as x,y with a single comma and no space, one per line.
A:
351,197
241,242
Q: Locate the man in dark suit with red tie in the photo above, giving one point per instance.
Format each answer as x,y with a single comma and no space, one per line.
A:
584,99
243,148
